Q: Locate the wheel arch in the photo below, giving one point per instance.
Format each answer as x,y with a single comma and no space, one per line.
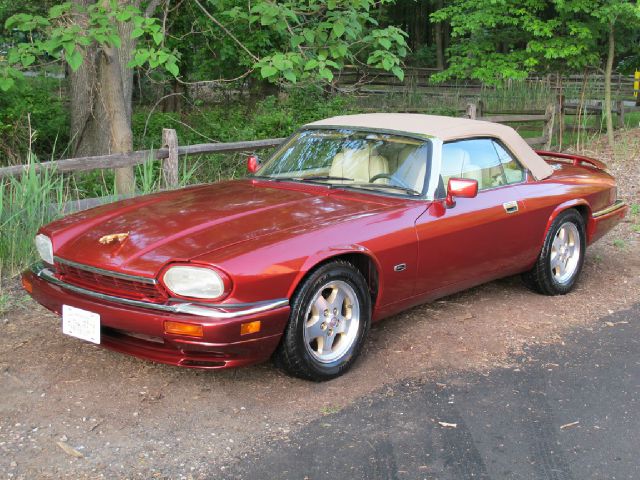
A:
579,204
361,258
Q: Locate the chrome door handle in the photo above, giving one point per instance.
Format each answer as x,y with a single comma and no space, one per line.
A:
510,207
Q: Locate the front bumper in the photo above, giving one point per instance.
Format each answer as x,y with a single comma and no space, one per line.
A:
137,328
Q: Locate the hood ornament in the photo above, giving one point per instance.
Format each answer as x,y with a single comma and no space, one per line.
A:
115,237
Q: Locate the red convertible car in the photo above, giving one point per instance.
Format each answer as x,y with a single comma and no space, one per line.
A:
353,219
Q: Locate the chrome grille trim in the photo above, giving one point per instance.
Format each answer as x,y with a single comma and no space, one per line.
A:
108,273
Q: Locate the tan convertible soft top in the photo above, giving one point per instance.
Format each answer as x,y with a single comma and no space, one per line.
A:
446,129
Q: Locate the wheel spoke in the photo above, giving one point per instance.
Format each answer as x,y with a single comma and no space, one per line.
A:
562,235
343,326
327,343
321,304
315,330
336,300
560,268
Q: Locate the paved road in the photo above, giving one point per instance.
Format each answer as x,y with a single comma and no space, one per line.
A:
509,423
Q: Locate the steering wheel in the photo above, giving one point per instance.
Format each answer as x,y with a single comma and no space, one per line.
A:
381,175
389,176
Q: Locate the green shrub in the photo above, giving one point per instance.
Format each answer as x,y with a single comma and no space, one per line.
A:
36,103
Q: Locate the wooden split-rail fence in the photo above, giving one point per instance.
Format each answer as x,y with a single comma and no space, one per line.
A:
171,151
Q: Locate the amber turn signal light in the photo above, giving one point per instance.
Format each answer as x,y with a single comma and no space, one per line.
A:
251,327
27,285
179,328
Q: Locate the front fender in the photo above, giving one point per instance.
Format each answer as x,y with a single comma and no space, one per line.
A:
330,253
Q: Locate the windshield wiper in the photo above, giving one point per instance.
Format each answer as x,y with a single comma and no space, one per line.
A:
277,179
389,187
325,177
313,178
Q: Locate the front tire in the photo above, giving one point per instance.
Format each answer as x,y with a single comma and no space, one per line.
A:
560,262
330,317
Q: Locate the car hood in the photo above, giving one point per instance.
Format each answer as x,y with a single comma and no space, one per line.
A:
184,224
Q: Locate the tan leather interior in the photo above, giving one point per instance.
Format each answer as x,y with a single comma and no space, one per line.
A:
456,163
359,164
491,175
412,166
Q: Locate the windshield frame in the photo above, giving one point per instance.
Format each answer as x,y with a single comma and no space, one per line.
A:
427,139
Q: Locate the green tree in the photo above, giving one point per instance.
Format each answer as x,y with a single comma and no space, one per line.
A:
100,43
508,39
614,16
300,41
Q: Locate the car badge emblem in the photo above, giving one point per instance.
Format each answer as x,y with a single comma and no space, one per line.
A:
115,237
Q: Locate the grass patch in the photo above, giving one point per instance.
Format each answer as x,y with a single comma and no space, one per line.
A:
329,409
4,303
619,243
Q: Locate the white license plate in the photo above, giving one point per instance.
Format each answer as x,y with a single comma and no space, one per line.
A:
81,323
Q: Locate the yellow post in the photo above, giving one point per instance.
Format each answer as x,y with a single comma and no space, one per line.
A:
636,83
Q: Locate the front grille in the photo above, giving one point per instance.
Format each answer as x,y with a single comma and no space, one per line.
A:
110,285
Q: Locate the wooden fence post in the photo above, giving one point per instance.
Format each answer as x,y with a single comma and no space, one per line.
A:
620,110
548,128
558,123
170,164
472,111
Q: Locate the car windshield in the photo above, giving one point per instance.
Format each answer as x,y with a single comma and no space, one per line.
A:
352,159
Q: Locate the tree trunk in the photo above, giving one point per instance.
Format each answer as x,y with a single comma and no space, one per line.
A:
87,115
607,84
101,92
112,95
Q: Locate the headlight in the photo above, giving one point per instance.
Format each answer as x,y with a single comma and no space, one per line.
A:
45,248
194,282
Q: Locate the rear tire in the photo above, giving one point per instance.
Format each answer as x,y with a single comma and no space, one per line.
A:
560,262
329,320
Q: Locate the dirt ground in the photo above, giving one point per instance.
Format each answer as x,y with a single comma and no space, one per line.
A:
69,409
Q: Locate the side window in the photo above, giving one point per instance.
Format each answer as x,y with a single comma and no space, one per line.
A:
513,171
476,159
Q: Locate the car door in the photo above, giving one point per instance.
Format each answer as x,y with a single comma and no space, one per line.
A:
481,238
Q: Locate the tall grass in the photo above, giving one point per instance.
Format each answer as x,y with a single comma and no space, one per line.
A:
26,203
35,198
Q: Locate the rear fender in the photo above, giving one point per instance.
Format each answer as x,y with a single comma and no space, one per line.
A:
576,202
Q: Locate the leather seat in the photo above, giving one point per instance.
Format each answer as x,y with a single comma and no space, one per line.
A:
412,167
456,163
361,164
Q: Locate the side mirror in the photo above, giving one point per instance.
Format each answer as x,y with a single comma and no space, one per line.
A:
253,164
460,187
